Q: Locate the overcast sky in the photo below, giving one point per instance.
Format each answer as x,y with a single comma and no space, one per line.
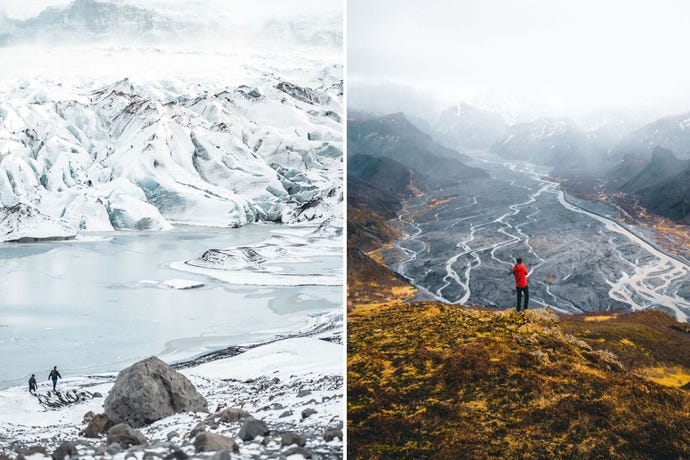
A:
570,56
22,9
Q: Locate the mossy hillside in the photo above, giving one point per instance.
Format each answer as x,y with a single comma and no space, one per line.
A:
429,380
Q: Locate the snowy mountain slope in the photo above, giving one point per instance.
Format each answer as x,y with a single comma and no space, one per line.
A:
101,20
550,141
465,126
324,30
139,154
671,132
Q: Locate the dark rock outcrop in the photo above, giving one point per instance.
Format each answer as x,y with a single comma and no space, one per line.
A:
100,423
308,412
66,449
177,454
251,428
297,450
332,433
231,415
211,442
125,436
290,438
151,390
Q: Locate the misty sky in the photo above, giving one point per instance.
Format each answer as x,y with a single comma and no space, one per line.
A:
22,9
565,56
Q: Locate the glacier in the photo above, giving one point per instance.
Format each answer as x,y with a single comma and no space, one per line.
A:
88,154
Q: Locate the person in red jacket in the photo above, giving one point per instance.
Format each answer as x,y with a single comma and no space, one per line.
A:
520,273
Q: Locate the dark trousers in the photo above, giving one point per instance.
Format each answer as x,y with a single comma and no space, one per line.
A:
519,297
54,383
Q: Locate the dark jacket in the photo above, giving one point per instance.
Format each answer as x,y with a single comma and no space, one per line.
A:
54,375
32,383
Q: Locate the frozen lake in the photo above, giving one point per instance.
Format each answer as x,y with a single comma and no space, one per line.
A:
81,305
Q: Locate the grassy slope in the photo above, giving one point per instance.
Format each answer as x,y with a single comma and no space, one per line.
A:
428,380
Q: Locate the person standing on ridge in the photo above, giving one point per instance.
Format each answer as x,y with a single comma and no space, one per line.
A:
54,375
520,273
32,384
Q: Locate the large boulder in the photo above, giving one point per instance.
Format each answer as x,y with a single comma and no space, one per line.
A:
151,390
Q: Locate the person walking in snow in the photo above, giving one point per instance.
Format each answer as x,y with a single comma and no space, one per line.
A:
54,375
520,273
32,384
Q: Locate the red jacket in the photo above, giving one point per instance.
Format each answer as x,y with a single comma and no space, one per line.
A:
520,273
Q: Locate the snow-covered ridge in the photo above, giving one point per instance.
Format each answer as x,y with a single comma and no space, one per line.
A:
142,154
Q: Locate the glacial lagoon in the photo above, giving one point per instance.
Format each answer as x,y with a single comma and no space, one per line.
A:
82,306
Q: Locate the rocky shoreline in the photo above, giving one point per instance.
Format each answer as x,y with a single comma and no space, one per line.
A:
278,399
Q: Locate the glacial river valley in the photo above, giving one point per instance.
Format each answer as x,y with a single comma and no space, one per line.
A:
581,259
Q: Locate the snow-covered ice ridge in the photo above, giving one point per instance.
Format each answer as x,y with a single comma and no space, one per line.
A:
274,381
89,155
290,257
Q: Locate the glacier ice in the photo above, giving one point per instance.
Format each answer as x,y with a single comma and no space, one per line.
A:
89,155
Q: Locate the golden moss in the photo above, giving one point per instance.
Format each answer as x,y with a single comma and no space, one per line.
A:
627,342
599,318
670,376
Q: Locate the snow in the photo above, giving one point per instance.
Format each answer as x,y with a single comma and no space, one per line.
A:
18,408
261,279
25,223
175,283
280,359
300,248
100,136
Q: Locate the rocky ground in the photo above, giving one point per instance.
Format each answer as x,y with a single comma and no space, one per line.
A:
282,399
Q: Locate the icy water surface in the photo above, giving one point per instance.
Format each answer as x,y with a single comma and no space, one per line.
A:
81,306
